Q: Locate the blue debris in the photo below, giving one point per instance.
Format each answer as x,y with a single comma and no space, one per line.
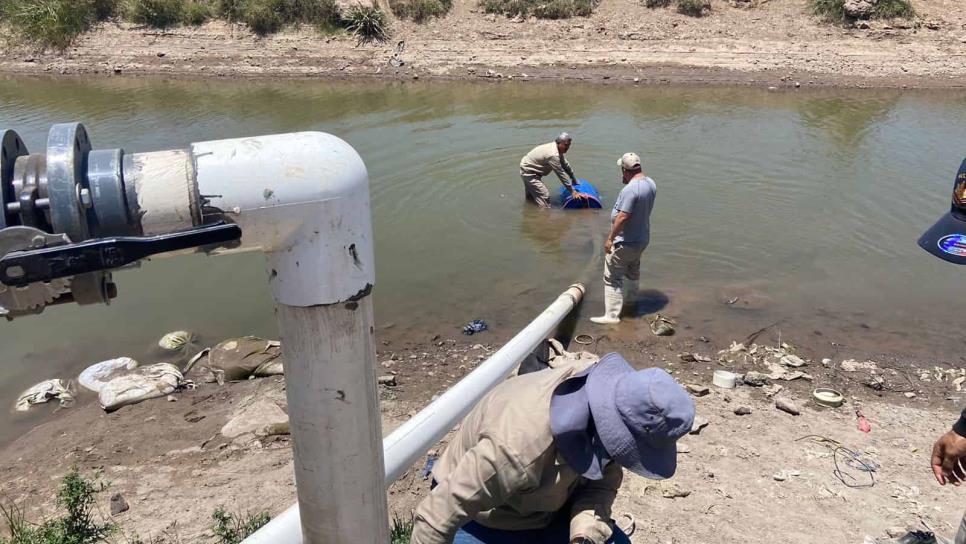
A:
475,326
428,469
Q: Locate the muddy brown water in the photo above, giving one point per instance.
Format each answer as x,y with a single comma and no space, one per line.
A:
804,206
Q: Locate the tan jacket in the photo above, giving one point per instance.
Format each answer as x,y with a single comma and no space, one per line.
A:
542,160
502,469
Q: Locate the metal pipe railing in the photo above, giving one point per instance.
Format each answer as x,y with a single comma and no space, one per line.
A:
412,439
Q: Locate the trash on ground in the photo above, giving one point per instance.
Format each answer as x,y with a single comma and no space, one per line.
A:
45,391
428,467
698,424
792,360
173,341
828,397
140,384
862,423
853,469
682,447
661,325
851,365
388,380
239,359
787,405
95,376
724,379
783,475
475,326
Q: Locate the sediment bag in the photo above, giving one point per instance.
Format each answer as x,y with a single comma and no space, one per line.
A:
241,358
95,376
43,392
144,383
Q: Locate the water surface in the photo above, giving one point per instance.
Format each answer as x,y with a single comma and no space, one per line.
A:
804,205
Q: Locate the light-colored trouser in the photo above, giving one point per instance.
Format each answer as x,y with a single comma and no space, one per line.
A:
624,261
536,190
961,535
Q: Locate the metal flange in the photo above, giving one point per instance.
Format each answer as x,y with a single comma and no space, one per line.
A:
108,198
67,149
11,147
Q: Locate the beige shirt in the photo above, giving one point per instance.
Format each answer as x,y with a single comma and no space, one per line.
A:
502,470
543,159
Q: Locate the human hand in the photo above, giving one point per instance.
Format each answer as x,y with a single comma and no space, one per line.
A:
608,246
948,457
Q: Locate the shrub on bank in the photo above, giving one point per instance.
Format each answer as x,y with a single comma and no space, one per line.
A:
268,16
693,8
837,11
368,23
195,13
542,9
156,13
420,10
52,23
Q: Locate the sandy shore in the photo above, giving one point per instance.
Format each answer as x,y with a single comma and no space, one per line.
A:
774,43
172,465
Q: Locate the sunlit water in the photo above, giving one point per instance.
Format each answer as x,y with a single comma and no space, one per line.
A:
805,205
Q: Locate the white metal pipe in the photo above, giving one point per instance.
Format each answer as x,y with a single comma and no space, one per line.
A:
412,439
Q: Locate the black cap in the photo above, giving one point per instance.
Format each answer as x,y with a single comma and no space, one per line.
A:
947,238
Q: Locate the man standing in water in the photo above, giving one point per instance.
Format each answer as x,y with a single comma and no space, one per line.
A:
539,162
630,232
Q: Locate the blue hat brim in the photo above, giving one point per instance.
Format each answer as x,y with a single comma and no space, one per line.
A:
946,239
635,455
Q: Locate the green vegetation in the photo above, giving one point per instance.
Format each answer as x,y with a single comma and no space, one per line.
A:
834,10
233,528
53,23
56,23
368,23
420,10
401,530
693,8
156,13
543,9
195,13
76,496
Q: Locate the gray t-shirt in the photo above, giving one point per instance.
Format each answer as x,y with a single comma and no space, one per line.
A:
637,199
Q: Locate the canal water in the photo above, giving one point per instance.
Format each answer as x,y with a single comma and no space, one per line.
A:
799,207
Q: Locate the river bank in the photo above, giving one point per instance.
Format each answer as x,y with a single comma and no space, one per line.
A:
173,464
772,43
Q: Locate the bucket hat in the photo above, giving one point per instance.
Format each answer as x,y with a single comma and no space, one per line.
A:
611,411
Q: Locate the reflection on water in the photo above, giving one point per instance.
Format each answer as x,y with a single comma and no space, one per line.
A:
804,205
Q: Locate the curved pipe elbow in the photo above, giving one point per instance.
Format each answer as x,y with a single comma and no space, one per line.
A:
302,198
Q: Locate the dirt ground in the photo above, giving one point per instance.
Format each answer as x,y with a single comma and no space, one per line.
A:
774,42
173,467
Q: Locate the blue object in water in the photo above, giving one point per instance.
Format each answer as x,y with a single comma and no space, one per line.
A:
570,203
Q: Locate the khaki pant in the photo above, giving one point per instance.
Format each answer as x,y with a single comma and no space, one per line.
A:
536,190
961,535
624,261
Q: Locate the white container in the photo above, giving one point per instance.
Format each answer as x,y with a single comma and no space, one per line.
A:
725,379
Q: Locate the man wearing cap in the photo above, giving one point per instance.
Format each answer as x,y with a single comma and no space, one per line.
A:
540,458
947,240
542,160
630,232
